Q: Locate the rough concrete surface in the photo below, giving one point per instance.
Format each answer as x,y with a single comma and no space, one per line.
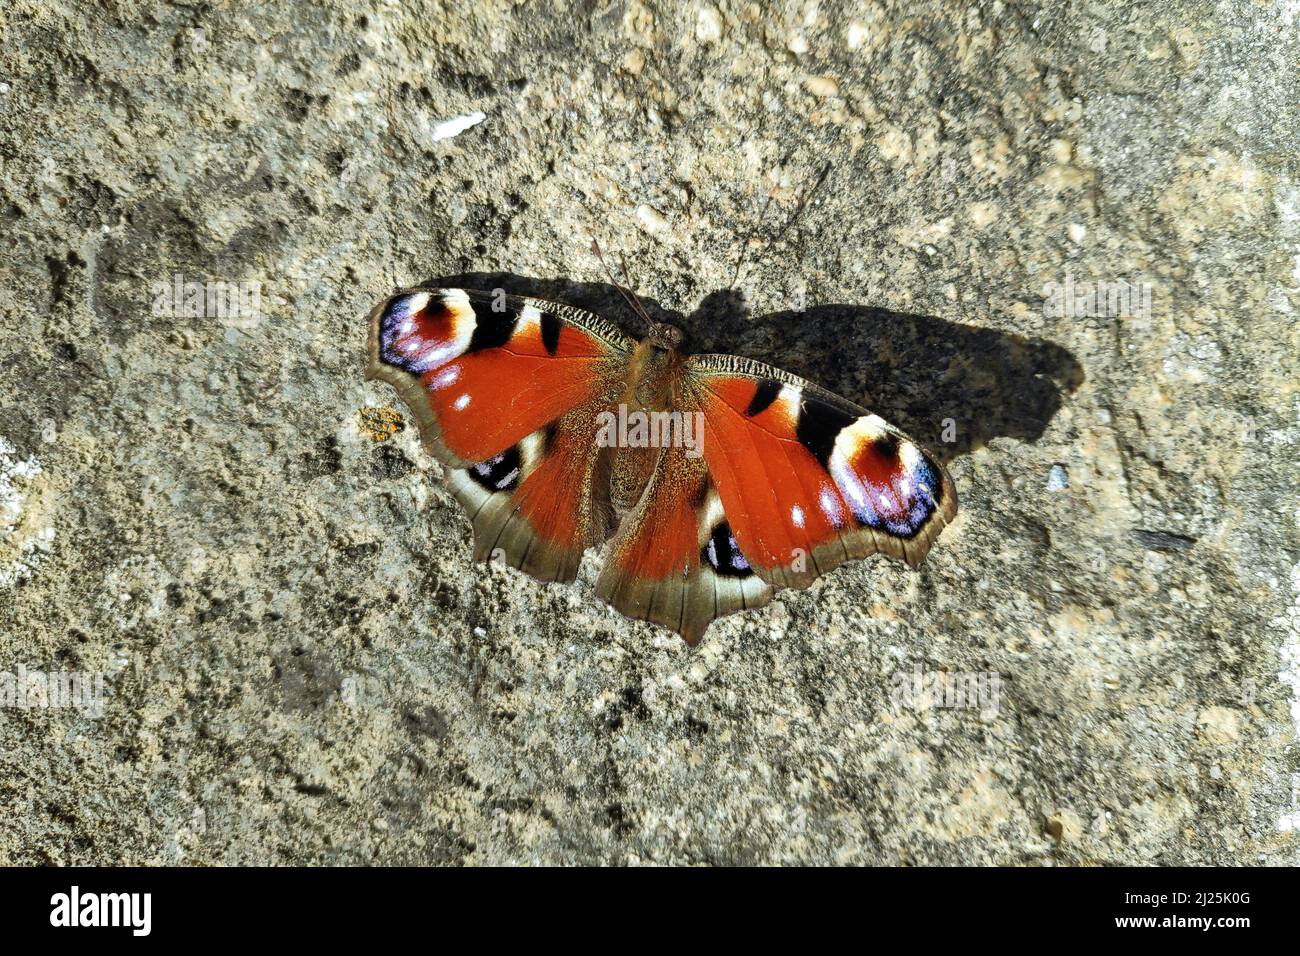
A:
301,664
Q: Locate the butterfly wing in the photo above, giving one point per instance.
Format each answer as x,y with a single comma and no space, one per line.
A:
793,481
505,391
807,479
674,561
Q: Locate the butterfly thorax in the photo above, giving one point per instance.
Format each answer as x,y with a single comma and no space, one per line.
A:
655,367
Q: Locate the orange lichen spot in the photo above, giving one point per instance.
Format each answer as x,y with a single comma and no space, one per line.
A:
380,423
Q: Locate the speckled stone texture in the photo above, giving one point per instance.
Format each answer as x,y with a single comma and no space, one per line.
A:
301,664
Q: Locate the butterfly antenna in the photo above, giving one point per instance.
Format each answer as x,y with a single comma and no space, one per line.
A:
628,296
749,237
794,216
627,282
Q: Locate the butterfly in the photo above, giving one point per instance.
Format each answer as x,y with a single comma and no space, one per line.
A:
719,479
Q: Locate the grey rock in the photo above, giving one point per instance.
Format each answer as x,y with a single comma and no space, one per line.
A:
301,664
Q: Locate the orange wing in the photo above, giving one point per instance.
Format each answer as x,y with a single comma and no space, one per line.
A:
793,481
505,391
674,562
809,480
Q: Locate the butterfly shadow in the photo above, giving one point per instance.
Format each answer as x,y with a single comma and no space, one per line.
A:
953,387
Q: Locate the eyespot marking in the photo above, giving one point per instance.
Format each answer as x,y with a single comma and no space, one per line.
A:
500,473
723,554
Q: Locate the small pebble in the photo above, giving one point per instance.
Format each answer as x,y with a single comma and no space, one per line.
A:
651,220
708,28
822,85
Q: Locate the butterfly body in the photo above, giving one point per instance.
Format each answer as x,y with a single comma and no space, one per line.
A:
719,479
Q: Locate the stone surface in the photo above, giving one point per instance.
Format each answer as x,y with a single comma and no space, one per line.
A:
301,665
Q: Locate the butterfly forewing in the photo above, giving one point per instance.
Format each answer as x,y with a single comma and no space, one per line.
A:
505,391
809,480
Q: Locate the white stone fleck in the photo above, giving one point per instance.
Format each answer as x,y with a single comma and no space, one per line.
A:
453,127
708,25
651,220
15,473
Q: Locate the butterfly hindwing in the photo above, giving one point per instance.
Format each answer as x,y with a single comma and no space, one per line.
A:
674,560
540,504
505,391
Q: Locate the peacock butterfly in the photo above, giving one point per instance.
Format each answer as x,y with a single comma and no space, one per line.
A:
720,479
